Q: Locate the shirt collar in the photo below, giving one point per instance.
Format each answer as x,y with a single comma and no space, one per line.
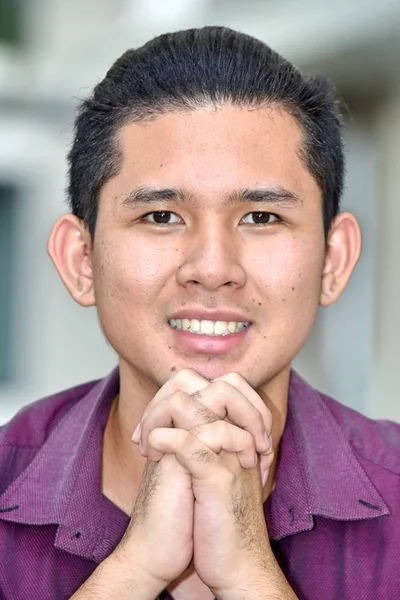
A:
318,473
70,464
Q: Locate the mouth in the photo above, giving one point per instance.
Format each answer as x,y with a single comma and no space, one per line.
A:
209,328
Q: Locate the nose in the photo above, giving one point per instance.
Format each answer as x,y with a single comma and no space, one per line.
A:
212,259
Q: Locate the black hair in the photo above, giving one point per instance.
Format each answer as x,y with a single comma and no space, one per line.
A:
188,70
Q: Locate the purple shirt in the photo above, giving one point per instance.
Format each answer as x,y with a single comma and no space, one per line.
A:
333,518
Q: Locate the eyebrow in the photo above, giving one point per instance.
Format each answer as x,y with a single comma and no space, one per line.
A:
145,196
277,195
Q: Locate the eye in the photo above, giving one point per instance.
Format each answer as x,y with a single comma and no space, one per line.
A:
260,218
161,217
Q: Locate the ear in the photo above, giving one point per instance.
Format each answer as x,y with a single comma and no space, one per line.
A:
70,249
343,249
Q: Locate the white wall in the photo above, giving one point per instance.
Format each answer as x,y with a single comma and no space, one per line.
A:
57,344
385,372
339,357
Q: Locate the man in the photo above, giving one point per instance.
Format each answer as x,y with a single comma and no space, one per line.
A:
205,180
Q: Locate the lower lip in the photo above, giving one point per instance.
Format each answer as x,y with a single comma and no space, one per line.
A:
207,344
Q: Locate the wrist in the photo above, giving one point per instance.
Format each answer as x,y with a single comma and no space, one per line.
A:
257,591
262,583
142,582
118,579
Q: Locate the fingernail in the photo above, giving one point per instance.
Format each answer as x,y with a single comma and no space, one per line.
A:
136,434
264,477
268,441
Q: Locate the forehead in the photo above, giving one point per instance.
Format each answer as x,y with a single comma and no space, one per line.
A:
215,149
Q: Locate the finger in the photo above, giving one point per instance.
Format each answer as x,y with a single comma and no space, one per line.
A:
218,436
197,458
226,401
221,435
265,463
186,380
242,385
180,410
219,399
238,382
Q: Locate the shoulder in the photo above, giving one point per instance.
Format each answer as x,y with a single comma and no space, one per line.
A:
31,426
376,440
23,437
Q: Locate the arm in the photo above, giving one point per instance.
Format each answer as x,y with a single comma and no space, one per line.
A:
153,551
117,579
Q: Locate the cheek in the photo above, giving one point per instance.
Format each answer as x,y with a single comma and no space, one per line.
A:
130,274
289,284
291,276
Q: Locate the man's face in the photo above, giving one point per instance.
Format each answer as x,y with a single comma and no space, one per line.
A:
238,237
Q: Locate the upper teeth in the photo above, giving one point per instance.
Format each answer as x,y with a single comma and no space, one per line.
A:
209,327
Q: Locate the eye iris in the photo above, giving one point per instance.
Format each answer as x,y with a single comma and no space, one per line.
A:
260,217
161,217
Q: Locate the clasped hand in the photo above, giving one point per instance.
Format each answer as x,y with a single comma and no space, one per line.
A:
209,453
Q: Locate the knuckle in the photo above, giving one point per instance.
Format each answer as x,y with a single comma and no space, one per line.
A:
221,393
221,387
184,439
197,396
203,455
180,399
196,431
233,378
204,414
183,375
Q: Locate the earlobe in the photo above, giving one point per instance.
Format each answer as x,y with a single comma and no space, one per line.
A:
69,247
343,250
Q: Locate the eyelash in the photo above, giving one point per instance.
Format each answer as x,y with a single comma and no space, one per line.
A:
277,219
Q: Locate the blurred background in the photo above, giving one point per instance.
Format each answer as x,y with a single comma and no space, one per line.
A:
52,52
